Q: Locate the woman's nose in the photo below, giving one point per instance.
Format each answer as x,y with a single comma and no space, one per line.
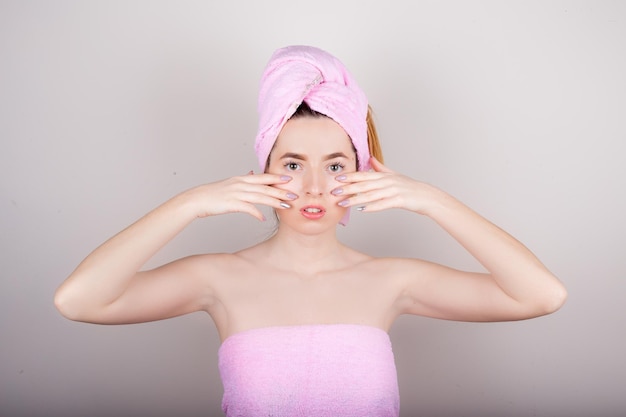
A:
313,184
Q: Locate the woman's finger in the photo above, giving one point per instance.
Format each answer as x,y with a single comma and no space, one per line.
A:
267,190
359,176
267,179
378,166
370,183
266,200
390,198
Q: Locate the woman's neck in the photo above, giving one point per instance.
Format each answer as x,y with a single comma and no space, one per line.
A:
305,253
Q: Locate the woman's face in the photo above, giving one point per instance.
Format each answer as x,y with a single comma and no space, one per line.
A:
313,151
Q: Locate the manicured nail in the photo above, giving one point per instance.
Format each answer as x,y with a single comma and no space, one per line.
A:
344,203
285,178
341,178
284,205
337,191
291,196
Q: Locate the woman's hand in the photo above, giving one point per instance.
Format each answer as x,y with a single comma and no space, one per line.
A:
384,189
241,194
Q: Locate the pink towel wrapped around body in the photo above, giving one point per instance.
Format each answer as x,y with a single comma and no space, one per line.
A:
309,370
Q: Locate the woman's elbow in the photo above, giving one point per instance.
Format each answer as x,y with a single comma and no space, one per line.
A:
62,304
553,299
69,305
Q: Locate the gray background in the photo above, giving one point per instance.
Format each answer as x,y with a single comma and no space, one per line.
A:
516,107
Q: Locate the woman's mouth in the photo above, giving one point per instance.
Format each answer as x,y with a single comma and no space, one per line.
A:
313,212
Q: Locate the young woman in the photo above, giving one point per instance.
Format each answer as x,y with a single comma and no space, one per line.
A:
303,318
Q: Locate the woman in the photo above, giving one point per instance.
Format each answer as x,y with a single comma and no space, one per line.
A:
303,318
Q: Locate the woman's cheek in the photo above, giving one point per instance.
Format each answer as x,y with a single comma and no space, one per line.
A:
295,185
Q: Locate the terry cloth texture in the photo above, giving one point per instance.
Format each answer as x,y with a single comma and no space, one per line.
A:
297,74
338,370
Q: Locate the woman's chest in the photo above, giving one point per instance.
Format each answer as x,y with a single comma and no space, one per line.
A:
268,298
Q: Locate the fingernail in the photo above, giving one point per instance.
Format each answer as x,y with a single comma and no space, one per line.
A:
284,205
337,191
285,178
340,178
291,196
344,203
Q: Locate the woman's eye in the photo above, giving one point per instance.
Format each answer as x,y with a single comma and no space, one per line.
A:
291,166
335,167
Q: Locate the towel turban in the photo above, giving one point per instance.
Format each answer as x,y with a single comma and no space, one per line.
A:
297,74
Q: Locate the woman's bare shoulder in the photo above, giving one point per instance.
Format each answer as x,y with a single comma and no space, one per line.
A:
392,264
219,261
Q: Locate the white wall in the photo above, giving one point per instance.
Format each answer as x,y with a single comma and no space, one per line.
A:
107,108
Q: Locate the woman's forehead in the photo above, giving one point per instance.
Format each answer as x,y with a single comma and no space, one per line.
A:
313,135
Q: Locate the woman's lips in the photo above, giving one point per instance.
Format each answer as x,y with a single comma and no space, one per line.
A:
313,212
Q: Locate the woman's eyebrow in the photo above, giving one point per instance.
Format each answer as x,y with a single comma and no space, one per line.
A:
293,155
335,155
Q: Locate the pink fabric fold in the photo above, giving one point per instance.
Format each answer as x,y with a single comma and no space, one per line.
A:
312,370
297,74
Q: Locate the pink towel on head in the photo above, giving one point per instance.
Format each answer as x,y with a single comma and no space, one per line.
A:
338,370
297,74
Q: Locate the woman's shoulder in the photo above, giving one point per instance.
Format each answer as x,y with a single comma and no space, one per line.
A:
389,266
212,263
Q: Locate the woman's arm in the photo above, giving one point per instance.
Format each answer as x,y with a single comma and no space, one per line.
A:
107,286
517,284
